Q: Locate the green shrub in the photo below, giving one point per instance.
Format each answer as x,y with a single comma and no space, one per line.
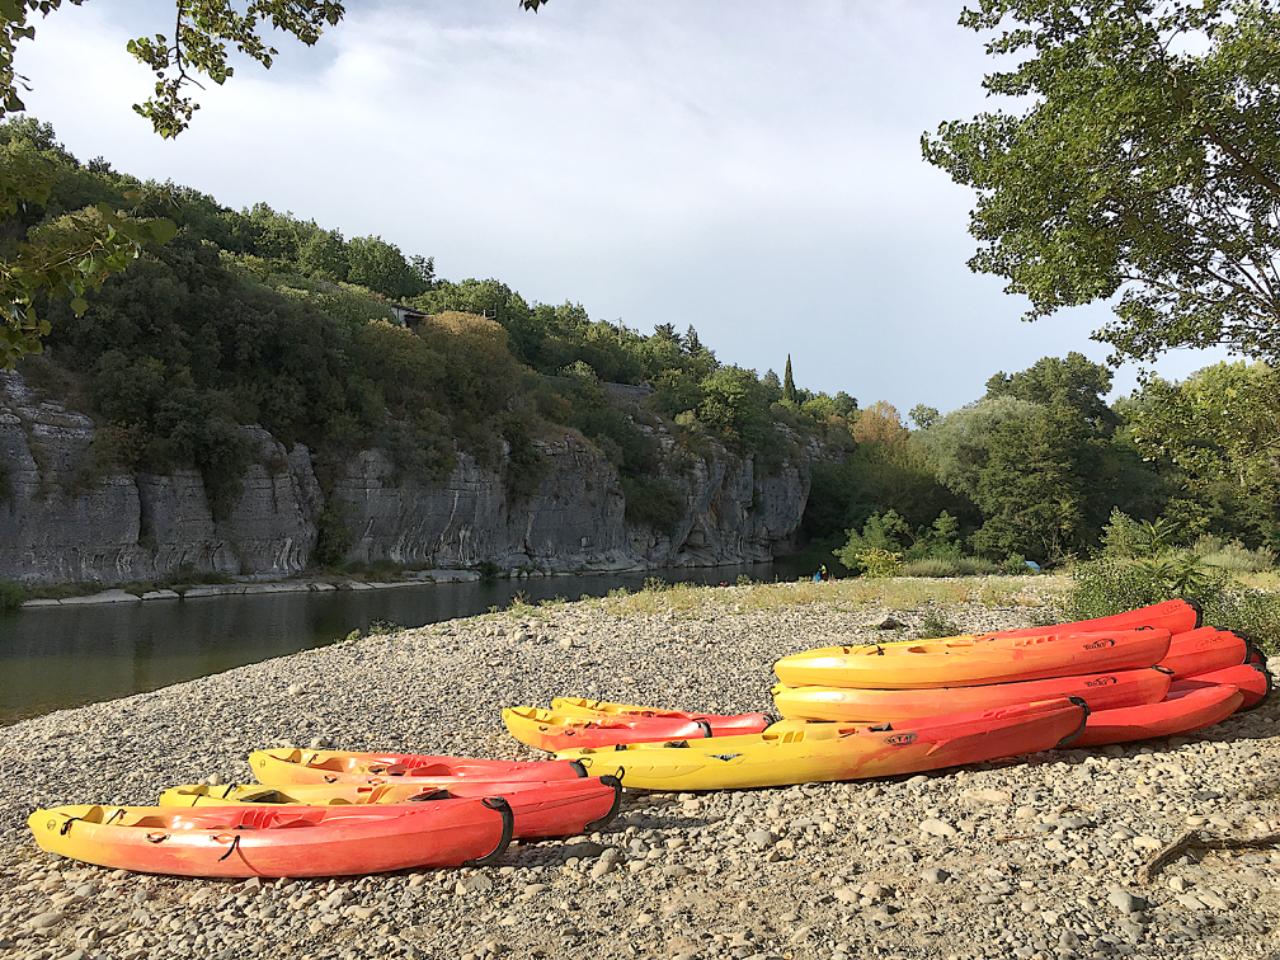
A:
1015,564
948,567
488,570
934,624
333,537
1234,557
879,563
12,595
1110,585
658,504
1125,537
655,585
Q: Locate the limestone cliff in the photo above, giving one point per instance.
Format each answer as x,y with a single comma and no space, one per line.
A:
55,525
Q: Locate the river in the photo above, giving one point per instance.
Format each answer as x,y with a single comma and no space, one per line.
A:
57,657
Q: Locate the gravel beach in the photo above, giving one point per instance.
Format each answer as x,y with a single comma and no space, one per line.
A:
1036,858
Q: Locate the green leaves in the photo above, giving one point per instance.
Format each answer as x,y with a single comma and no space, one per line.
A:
1145,166
63,257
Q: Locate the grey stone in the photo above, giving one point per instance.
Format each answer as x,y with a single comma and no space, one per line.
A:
1126,902
937,828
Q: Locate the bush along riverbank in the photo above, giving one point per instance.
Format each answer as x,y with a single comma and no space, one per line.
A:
1039,856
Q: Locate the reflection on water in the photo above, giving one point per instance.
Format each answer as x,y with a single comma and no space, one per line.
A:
56,657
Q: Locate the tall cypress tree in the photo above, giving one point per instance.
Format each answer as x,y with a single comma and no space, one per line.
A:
788,383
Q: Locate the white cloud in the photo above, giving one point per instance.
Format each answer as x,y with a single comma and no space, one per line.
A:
753,169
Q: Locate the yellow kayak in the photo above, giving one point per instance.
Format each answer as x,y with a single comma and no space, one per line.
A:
814,752
304,794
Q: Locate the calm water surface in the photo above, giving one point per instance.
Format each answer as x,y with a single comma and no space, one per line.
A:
56,657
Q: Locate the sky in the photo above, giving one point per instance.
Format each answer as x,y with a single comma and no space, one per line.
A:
751,168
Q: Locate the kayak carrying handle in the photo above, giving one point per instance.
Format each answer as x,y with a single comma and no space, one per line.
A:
616,783
234,839
705,727
1084,719
1195,605
156,836
508,828
579,767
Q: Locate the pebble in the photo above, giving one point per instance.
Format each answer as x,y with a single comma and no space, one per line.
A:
937,828
1126,902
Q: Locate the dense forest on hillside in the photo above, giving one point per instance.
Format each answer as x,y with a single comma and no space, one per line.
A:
258,316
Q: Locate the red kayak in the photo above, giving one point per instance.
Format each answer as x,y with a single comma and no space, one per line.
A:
1202,650
1103,691
554,732
715,724
563,808
1176,616
559,808
1252,680
336,766
253,841
1182,712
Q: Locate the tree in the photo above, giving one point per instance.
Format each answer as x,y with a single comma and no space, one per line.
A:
880,423
77,252
381,266
923,416
1145,164
735,405
64,256
846,405
1219,431
788,383
1073,383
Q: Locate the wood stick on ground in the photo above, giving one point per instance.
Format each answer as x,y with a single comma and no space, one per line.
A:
1194,840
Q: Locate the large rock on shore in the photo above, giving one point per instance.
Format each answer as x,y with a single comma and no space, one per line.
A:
62,521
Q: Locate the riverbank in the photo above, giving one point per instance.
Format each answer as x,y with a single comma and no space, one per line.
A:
1036,858
78,595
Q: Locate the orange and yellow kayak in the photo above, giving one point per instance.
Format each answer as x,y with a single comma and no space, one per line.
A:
339,766
558,808
812,752
972,660
288,841
1101,691
720,724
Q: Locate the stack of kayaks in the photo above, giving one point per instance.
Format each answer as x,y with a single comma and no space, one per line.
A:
897,708
1148,673
330,813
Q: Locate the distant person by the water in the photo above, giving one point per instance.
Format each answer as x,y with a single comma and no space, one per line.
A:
821,574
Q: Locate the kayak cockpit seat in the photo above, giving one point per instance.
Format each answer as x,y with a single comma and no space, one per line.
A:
268,796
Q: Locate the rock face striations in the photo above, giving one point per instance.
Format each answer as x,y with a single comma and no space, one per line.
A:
61,523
